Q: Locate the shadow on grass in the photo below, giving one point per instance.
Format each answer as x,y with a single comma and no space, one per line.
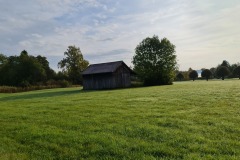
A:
47,94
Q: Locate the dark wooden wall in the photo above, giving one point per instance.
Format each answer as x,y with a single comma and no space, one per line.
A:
119,79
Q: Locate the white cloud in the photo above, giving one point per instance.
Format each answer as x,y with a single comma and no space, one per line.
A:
204,32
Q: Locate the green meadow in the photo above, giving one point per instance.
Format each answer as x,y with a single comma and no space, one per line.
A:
187,120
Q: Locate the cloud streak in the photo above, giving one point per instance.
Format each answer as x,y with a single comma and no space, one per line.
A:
204,32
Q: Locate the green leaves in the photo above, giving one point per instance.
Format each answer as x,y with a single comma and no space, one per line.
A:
222,71
155,61
22,69
206,73
73,64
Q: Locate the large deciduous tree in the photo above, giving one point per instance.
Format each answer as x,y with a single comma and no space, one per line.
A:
50,73
73,64
206,73
222,72
193,75
155,61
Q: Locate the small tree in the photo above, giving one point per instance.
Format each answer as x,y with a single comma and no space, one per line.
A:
237,71
206,73
193,75
222,72
180,76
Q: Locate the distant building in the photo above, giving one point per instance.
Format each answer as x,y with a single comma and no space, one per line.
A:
107,76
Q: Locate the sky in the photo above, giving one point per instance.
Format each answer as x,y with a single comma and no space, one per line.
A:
204,32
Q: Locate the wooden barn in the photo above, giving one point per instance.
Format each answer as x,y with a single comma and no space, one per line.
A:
107,76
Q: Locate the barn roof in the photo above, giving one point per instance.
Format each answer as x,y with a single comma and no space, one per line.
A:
109,67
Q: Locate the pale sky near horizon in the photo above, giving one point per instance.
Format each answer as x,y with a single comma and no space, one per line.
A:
204,32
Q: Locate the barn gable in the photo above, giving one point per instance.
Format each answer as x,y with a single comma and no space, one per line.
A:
107,76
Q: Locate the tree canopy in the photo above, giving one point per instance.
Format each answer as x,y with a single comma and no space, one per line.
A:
222,72
225,63
193,75
237,71
73,64
180,76
22,70
206,73
155,61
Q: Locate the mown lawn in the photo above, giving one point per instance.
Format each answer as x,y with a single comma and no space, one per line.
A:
187,120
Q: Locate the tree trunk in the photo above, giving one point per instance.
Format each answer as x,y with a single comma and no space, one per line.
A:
223,78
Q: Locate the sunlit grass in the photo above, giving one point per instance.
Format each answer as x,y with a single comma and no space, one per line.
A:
187,120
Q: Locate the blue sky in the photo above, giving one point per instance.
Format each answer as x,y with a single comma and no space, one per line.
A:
204,32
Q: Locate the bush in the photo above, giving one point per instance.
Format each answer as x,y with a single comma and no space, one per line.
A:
8,89
24,84
136,84
64,83
51,82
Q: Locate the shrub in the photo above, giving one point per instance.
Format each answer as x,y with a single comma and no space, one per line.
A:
64,83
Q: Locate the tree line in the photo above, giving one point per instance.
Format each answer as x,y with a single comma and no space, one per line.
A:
154,62
27,70
222,71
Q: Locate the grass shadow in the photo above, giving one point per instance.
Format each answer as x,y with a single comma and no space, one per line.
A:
32,95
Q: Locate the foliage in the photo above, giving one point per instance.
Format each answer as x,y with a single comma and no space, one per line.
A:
21,69
73,64
11,89
64,83
222,72
3,59
181,121
213,71
50,73
193,75
155,61
180,76
225,64
237,71
206,73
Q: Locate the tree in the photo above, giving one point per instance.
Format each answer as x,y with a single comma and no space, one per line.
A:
213,70
180,76
206,73
231,69
225,63
3,59
74,64
193,75
155,61
22,70
50,73
222,71
237,71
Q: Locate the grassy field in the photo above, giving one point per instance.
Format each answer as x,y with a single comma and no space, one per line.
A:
187,120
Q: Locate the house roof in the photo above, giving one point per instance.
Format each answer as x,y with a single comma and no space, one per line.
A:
108,67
